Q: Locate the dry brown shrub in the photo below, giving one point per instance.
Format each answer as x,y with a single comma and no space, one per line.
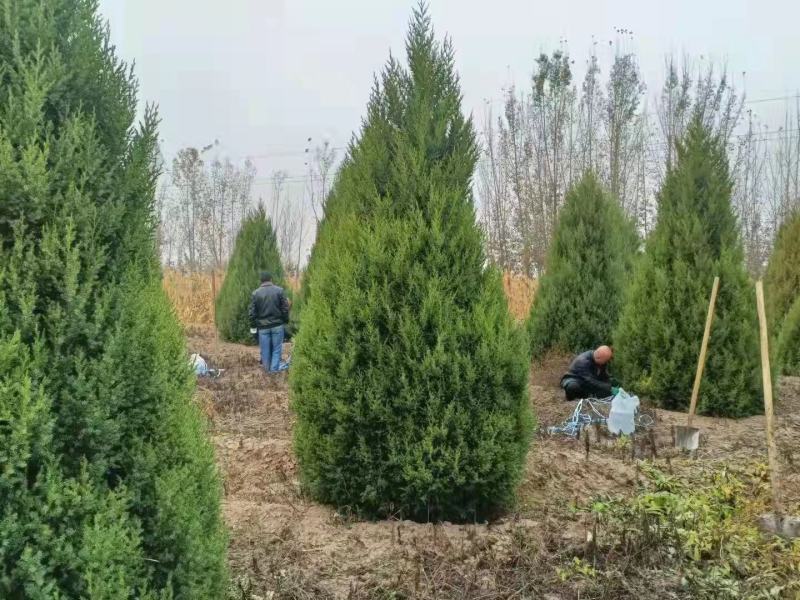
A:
293,282
205,400
519,291
191,294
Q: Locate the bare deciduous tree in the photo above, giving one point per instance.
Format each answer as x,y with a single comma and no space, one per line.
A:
320,174
288,220
548,137
784,170
202,215
589,116
493,185
529,162
551,111
189,179
688,91
623,127
749,193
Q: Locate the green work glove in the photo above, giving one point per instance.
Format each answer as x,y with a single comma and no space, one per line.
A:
615,390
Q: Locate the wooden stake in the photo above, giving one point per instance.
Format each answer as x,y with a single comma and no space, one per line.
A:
586,442
701,360
766,376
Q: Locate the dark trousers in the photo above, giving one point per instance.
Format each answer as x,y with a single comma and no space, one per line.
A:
574,389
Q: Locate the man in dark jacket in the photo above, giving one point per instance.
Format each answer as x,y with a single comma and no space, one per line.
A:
588,375
269,313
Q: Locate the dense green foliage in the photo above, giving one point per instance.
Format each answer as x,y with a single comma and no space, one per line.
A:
661,327
579,298
409,377
782,279
256,250
782,296
788,346
108,487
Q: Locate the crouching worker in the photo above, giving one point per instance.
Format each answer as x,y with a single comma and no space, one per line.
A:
269,313
588,376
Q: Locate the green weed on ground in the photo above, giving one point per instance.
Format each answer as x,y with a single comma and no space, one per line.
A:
703,529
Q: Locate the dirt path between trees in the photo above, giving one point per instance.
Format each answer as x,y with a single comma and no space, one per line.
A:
285,546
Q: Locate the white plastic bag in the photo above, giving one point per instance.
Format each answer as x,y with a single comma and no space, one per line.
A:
622,416
199,365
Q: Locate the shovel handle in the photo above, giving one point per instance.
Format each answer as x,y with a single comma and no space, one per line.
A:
701,360
766,376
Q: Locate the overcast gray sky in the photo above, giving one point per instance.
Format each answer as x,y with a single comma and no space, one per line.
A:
262,76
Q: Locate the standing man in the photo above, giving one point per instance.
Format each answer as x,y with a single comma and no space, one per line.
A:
269,313
588,376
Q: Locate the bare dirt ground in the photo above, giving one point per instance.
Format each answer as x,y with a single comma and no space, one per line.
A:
283,545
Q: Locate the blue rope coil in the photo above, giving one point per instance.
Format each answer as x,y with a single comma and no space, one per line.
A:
587,413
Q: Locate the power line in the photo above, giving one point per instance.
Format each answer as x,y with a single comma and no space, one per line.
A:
775,99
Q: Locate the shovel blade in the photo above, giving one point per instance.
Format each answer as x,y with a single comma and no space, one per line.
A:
687,438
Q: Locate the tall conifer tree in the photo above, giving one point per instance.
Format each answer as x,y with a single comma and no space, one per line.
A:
579,298
108,487
661,327
409,378
363,174
782,296
255,250
788,343
782,279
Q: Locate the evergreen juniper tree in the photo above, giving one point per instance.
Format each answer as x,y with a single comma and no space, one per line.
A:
363,174
781,291
409,377
579,297
108,487
788,346
255,250
782,279
696,237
